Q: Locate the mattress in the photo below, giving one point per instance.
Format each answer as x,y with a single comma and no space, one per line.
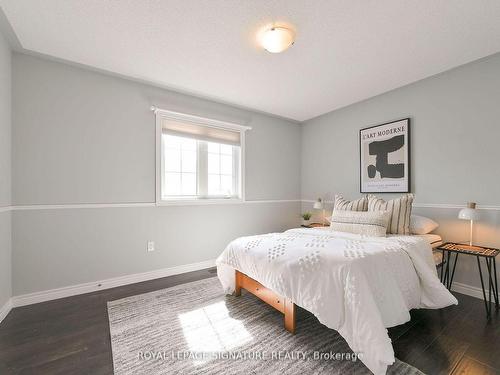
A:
435,240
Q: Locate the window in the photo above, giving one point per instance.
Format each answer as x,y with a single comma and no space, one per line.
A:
180,166
199,159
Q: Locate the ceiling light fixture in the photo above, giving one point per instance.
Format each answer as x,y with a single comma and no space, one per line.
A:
277,39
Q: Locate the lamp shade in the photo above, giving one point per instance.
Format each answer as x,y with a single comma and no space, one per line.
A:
318,205
469,213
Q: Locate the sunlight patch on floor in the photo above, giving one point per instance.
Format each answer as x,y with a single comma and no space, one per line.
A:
211,329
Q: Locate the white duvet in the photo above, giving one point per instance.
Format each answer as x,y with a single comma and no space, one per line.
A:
356,285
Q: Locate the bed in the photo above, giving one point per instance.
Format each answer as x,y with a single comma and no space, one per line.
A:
357,285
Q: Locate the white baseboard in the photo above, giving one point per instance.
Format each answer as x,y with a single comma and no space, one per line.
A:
73,290
469,290
5,309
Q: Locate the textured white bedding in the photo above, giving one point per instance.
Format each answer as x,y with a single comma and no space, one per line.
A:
354,284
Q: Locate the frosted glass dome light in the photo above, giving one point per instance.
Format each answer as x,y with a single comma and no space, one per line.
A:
277,39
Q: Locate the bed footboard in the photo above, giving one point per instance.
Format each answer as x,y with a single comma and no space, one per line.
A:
282,304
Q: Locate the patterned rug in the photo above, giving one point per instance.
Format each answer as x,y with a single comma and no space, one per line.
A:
195,329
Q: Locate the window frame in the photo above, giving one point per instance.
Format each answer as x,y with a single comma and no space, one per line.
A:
163,114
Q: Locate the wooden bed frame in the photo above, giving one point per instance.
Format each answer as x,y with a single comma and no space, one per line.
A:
282,304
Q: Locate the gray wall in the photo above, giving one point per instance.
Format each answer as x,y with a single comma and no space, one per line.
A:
80,136
5,171
85,137
455,131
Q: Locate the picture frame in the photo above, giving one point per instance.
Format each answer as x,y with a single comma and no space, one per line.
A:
384,158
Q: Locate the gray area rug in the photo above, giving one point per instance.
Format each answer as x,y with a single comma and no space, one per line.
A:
195,329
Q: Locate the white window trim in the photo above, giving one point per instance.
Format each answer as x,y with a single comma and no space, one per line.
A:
171,115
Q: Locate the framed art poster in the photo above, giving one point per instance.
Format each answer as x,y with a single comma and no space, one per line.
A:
385,158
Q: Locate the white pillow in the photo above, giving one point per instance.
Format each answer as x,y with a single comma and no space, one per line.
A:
400,211
360,204
422,224
372,223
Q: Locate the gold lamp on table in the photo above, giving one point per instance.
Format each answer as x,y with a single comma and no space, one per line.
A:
318,205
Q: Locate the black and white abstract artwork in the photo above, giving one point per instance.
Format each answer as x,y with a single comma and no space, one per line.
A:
385,158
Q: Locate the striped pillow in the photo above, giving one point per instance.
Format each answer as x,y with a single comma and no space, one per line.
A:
341,204
399,208
368,223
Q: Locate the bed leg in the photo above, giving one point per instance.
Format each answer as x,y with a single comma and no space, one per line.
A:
290,316
237,283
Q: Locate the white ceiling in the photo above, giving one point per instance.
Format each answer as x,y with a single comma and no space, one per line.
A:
345,51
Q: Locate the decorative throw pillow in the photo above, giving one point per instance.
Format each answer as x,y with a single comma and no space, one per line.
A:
341,204
400,212
422,224
360,222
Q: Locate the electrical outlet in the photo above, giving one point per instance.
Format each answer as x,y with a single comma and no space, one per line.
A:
151,246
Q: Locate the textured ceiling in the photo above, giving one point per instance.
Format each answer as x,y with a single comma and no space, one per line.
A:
345,51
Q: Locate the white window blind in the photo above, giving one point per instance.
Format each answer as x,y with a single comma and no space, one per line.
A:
200,132
199,159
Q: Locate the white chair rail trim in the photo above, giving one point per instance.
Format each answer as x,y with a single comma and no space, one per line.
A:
239,202
431,205
140,204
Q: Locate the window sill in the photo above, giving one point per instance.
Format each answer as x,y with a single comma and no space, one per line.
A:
199,202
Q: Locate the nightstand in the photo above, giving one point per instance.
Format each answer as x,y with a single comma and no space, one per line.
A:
486,253
315,225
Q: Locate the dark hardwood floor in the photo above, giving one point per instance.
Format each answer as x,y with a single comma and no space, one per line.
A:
71,335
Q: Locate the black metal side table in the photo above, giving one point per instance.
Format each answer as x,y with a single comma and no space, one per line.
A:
487,253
